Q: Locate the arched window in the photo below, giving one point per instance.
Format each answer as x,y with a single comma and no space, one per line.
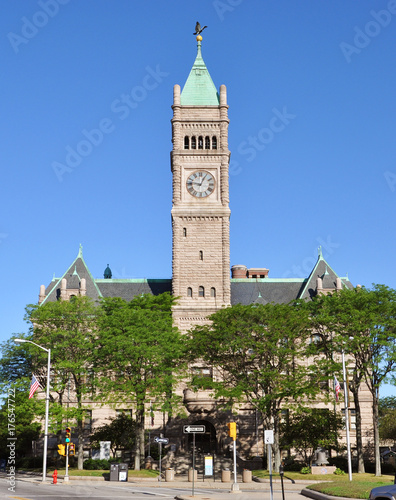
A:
193,142
200,142
184,231
214,142
213,292
201,291
207,142
189,292
200,255
186,142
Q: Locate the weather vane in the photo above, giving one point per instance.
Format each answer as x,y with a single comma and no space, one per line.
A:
198,31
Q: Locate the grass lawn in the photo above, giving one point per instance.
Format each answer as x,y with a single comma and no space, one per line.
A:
99,473
338,486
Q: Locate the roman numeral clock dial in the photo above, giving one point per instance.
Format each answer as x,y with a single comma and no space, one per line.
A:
200,184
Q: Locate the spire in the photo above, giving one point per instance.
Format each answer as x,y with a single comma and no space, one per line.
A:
199,89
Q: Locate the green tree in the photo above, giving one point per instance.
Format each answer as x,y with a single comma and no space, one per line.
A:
387,418
139,354
363,324
256,348
307,429
68,328
18,413
121,431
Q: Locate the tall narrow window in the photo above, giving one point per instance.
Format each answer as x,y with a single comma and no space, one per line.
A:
213,292
184,231
200,142
186,142
214,142
201,291
193,142
189,292
200,255
207,142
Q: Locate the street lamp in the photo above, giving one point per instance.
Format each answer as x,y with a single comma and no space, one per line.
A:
20,341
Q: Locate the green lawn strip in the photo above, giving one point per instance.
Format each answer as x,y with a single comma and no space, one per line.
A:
353,489
99,473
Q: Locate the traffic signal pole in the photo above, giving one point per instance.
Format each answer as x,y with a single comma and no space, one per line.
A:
66,478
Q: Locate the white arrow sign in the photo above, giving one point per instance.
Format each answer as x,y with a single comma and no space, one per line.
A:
161,440
193,428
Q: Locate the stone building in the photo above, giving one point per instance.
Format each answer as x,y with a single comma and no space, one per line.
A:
200,229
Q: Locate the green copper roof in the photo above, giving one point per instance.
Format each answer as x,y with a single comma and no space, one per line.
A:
199,89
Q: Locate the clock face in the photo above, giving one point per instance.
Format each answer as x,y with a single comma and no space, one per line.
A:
200,184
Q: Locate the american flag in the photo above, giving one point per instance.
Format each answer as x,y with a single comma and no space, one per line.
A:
337,387
34,385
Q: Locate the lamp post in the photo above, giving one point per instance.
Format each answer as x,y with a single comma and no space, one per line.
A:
48,351
346,417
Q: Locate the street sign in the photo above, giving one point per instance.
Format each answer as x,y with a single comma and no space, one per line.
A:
187,429
269,437
161,440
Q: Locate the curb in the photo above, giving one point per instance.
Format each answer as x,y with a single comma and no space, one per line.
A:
316,495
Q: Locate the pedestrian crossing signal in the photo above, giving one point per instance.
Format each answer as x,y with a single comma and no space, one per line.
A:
61,449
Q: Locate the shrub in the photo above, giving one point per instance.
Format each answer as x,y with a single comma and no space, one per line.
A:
305,470
339,472
91,464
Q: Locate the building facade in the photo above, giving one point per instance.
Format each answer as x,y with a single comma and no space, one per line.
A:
201,273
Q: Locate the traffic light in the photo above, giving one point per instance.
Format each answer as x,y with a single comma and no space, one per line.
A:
61,449
232,432
72,449
67,439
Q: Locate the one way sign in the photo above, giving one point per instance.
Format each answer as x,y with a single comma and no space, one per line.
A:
187,429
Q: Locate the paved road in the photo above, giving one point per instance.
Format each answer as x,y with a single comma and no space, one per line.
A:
31,488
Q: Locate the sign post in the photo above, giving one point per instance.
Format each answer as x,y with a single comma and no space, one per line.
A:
269,440
193,429
160,441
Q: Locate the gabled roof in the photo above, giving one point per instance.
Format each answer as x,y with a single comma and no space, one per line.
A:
76,271
265,290
329,277
199,89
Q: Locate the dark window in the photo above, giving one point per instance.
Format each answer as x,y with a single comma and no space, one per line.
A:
201,291
214,142
184,231
200,142
207,142
186,142
193,142
189,292
200,255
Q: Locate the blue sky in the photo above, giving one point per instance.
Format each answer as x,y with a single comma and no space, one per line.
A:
328,177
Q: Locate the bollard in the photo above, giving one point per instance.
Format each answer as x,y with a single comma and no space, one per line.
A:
226,476
247,476
55,477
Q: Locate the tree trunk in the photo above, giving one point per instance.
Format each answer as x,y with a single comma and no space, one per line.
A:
359,440
139,445
376,433
276,447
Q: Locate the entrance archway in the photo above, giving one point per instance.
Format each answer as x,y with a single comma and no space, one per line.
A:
205,442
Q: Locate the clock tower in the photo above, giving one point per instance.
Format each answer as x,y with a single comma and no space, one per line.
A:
200,205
